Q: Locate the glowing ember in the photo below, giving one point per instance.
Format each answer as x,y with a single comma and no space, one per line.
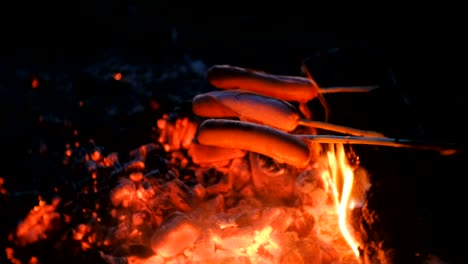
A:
39,221
179,201
207,223
35,83
117,76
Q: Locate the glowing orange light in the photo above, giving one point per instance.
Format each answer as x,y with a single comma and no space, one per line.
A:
35,83
117,76
341,181
33,260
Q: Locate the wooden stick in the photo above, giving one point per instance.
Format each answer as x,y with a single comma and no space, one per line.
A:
340,129
349,89
444,148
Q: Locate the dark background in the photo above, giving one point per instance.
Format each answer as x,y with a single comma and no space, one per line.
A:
418,62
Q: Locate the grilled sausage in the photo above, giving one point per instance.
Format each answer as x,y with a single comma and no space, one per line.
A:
262,139
256,108
288,88
246,106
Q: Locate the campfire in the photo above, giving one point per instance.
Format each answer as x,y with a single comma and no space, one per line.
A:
248,177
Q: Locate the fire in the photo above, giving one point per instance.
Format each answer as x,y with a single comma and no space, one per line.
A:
340,178
247,208
176,200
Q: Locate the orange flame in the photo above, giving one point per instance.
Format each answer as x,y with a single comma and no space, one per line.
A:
340,178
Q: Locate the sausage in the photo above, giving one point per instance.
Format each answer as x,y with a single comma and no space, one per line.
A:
288,88
256,108
246,106
208,105
202,154
262,139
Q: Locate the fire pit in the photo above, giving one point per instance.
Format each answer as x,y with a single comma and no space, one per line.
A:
245,186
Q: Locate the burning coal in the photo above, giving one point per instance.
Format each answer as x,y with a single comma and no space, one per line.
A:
250,209
248,187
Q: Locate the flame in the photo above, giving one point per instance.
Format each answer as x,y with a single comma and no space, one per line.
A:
340,178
